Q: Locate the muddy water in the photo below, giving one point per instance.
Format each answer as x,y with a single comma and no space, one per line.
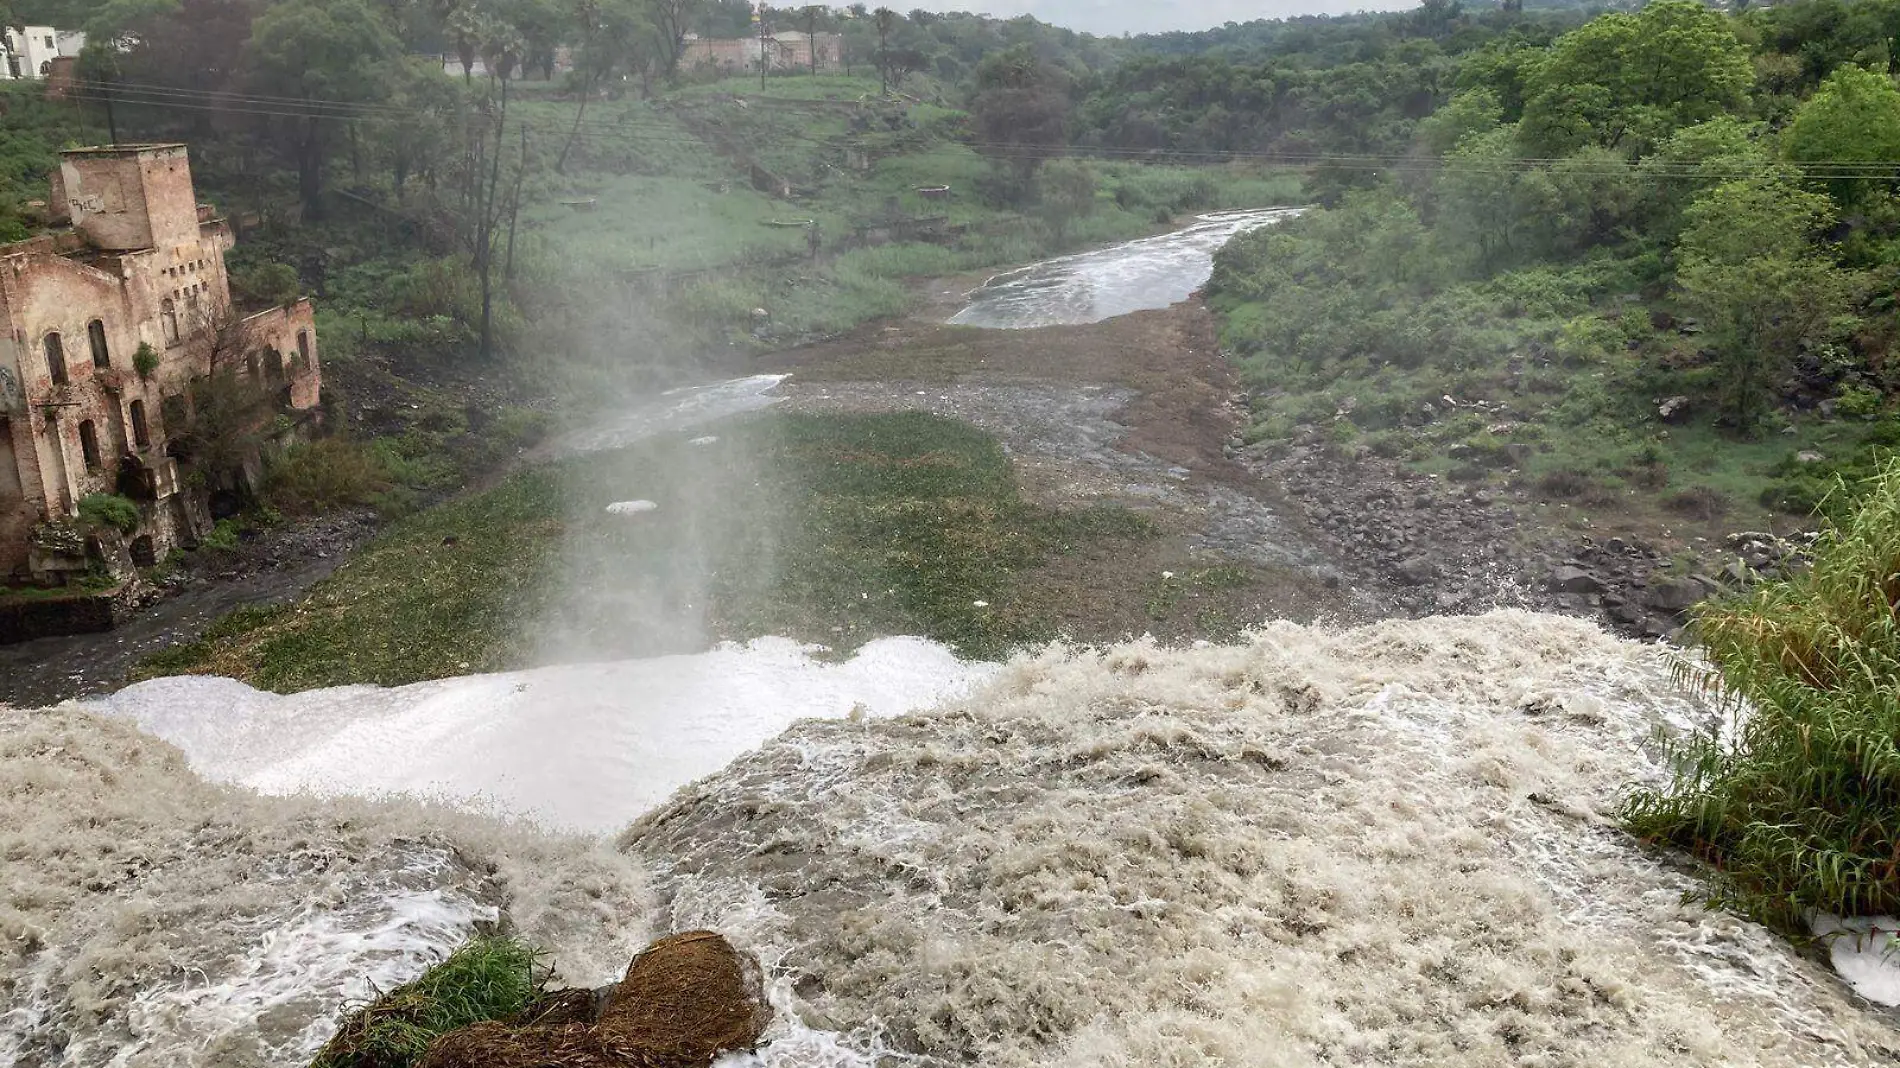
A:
1088,287
1316,847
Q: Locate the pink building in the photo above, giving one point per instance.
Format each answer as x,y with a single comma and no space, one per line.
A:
107,326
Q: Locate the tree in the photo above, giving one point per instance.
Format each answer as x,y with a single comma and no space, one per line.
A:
414,137
1749,266
1625,81
1020,111
1694,160
885,19
1853,119
1499,211
1066,192
1473,111
670,19
267,284
322,53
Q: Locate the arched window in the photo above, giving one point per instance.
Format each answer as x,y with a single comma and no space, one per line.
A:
96,333
303,350
168,318
141,437
89,444
55,358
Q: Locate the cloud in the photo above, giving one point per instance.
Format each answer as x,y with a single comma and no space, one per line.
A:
1116,17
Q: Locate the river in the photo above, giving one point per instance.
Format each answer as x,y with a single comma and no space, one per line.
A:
1391,844
1088,287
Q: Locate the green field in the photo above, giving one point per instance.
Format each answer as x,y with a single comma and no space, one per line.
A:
830,529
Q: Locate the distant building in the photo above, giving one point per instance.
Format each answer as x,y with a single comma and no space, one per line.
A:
109,325
29,51
787,50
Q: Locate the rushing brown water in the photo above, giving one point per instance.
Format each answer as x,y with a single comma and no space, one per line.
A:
1389,844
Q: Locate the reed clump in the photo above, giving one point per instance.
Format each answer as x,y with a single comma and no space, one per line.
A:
1798,809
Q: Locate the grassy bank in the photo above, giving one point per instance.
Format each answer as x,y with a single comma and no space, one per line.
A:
830,529
1583,385
1795,809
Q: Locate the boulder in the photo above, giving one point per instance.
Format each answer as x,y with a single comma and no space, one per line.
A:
1416,571
685,1000
1675,595
1570,579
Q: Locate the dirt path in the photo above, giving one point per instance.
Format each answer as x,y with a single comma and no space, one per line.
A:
1138,411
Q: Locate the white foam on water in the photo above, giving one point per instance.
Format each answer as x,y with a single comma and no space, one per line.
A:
674,410
151,918
1385,845
322,954
631,507
585,747
1088,287
1866,951
1392,845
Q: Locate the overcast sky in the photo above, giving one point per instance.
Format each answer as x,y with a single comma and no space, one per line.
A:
1150,16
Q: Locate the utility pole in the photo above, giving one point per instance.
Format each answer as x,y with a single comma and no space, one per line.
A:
811,36
758,13
885,18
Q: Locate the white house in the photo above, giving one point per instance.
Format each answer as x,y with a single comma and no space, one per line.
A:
28,51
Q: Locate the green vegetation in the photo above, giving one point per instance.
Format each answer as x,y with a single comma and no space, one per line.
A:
831,529
109,510
1794,810
1613,283
145,360
488,978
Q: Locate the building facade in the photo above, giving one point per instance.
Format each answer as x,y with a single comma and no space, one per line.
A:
790,50
114,327
35,51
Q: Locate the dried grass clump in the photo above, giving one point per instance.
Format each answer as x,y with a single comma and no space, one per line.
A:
685,1000
1800,809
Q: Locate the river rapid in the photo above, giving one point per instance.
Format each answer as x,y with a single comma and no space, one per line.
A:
1392,844
1088,287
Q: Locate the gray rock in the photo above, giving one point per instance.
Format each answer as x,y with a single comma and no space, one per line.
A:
1570,579
1675,595
1417,571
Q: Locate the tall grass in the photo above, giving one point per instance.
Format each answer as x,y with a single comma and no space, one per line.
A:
1800,809
486,979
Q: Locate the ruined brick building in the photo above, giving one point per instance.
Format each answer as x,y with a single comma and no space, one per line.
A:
114,326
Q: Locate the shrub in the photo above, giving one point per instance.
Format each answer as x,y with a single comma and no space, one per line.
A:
1565,484
1857,402
223,536
486,979
1698,502
98,510
323,475
1794,810
145,360
267,284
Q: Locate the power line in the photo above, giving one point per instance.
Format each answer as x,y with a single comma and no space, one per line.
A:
659,131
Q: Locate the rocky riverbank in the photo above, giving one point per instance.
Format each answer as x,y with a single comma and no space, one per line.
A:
1450,547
